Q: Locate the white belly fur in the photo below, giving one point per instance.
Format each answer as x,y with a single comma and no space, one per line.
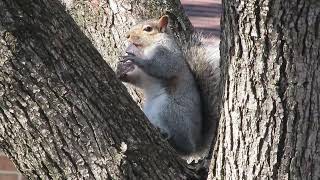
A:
153,107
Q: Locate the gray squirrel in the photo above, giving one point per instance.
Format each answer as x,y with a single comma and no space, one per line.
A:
156,64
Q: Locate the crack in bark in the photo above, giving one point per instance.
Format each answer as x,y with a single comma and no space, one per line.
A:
257,16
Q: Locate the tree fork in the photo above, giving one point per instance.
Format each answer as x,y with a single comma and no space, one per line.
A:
63,114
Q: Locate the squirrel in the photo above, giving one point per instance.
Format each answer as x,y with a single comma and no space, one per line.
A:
157,64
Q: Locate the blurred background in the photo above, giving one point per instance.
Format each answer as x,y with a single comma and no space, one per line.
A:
205,16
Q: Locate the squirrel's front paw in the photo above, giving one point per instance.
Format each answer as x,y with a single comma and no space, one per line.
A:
133,59
123,68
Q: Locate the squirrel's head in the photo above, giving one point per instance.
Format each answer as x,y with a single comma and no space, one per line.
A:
147,32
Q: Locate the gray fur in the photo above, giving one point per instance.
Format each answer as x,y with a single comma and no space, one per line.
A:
174,108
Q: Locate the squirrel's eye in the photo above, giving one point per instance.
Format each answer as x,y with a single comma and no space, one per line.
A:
148,29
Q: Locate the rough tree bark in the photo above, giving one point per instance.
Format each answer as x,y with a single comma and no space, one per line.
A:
106,22
270,124
63,114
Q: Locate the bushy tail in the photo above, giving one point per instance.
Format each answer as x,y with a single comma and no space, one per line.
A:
204,61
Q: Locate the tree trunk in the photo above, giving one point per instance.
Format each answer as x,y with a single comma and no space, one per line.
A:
270,122
63,114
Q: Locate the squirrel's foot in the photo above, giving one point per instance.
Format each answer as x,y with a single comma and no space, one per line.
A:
165,135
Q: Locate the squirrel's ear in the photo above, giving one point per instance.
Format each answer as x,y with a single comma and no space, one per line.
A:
163,22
